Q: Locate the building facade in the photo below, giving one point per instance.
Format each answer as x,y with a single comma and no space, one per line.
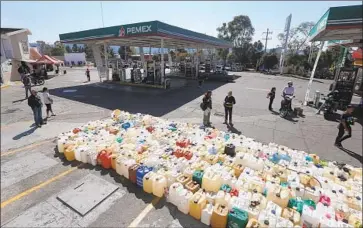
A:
14,49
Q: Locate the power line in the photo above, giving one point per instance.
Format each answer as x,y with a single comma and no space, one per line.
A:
267,38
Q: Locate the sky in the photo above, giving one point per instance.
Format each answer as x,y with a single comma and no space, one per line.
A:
47,19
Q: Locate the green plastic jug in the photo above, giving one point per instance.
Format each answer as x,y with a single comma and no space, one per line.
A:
298,204
226,188
237,218
198,176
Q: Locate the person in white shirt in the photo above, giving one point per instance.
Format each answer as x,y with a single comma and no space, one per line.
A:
288,90
48,101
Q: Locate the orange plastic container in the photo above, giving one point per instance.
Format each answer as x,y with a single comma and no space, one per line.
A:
196,205
113,161
69,153
238,169
219,216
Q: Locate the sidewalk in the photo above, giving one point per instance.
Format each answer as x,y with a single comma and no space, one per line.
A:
23,133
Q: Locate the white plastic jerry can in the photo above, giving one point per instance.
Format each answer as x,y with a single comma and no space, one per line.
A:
159,185
309,217
174,190
207,214
184,201
283,223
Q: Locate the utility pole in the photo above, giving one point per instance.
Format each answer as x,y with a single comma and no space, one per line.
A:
267,38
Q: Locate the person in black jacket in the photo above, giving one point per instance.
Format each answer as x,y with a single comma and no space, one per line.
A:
36,104
271,95
207,108
344,126
229,101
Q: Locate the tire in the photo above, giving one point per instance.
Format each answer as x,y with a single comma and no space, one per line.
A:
326,115
41,81
283,113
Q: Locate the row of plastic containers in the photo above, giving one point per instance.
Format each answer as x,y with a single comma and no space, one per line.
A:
232,180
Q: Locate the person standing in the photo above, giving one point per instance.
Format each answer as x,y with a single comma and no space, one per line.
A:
23,70
35,103
27,85
207,108
88,74
48,101
345,126
229,101
271,95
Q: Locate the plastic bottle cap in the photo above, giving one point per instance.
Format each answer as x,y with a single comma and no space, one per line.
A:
273,212
266,222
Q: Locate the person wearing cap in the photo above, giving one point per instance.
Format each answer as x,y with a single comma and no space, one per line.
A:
229,101
345,126
36,104
207,108
288,90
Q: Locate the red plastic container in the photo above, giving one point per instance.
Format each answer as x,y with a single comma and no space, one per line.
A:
179,153
182,143
233,192
325,200
105,159
76,130
188,155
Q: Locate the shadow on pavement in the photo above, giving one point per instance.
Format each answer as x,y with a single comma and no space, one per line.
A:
232,129
25,133
19,100
353,154
185,220
155,102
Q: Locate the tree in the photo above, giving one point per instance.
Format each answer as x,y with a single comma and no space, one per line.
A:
88,51
74,48
298,37
223,53
57,50
68,49
47,49
238,31
269,61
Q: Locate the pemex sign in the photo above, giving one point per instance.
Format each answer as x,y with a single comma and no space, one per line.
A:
136,29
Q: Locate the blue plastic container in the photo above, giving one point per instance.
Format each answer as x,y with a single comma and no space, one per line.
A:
140,173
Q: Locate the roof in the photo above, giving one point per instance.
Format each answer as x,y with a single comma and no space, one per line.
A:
339,23
345,43
146,34
14,31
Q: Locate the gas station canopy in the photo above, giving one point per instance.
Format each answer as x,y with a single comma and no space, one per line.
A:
145,34
339,23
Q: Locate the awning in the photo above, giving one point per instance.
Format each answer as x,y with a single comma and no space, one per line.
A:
34,54
339,23
146,34
345,43
56,60
45,59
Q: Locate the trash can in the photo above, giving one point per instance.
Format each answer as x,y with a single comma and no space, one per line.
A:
317,99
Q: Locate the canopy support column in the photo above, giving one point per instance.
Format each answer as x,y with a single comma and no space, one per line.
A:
197,64
105,47
162,61
170,61
142,56
312,73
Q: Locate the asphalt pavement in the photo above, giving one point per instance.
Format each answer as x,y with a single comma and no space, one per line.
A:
33,175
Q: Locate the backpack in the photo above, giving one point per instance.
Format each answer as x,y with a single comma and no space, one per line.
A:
26,80
203,106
